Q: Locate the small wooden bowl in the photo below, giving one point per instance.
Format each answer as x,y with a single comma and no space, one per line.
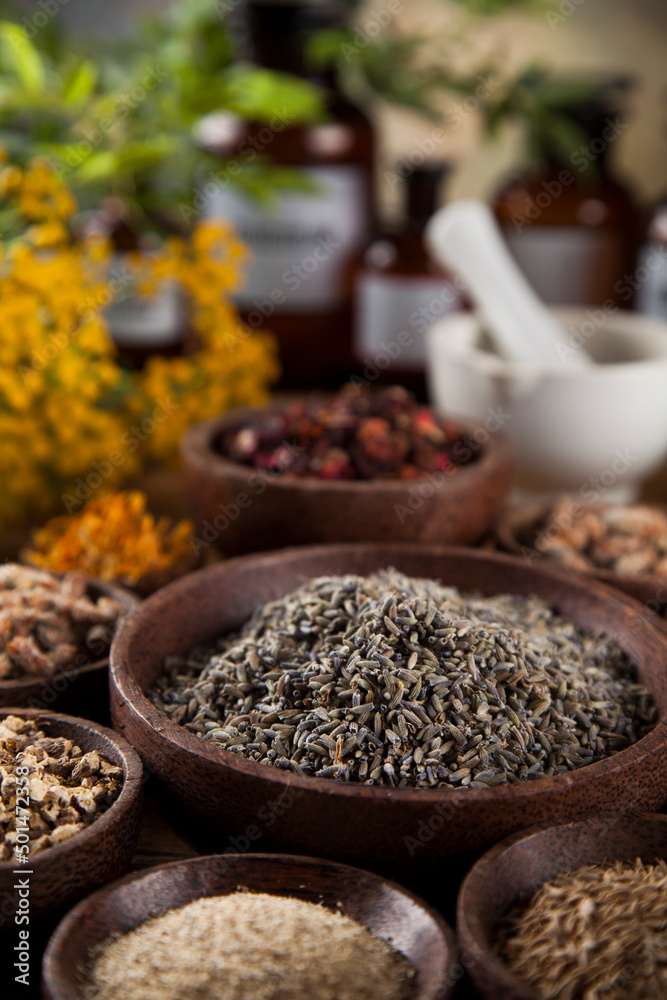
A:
406,833
242,509
80,690
385,909
100,852
144,585
517,531
517,867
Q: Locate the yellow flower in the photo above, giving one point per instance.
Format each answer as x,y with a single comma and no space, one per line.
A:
65,404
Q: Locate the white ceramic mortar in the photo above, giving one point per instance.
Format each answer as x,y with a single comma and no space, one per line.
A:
597,431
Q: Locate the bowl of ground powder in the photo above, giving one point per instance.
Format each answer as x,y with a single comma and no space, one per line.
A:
247,928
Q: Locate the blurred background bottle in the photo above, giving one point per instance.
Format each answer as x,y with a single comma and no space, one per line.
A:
651,274
141,326
569,222
400,290
301,247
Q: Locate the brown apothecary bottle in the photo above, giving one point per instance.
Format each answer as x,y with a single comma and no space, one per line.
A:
571,225
301,249
400,290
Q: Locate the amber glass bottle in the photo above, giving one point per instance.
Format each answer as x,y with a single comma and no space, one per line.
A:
570,224
301,249
650,277
400,291
140,327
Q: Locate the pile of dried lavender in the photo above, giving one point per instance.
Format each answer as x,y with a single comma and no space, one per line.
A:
397,681
46,621
49,788
598,933
249,946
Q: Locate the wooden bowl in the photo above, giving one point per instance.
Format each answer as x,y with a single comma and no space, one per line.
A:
100,852
80,690
516,533
236,804
519,865
384,908
242,509
144,585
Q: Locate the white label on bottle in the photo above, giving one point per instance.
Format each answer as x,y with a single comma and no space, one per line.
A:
567,265
651,280
301,247
393,313
143,321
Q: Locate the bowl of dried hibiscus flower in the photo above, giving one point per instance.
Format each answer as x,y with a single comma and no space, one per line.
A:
363,465
55,635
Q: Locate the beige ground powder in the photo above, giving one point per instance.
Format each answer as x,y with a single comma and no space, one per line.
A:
248,946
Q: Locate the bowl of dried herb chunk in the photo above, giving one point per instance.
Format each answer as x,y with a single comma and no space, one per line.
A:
248,927
391,706
576,910
71,794
55,635
358,466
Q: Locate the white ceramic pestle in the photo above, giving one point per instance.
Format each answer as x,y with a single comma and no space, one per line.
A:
465,237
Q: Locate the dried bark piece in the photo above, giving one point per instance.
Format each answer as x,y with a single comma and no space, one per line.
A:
61,803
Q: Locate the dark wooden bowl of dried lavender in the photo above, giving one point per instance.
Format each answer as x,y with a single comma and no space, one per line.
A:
578,931
69,861
388,911
80,685
242,506
231,802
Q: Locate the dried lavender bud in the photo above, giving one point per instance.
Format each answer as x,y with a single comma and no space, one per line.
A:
401,682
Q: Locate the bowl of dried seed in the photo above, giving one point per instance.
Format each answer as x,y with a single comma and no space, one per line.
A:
71,800
360,466
55,634
247,927
621,544
391,706
570,911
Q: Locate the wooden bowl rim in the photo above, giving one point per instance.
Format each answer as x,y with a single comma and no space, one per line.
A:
647,582
125,597
197,449
122,679
132,787
67,926
468,921
143,585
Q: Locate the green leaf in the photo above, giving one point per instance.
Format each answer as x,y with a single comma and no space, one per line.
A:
97,167
323,49
491,8
81,83
260,94
21,56
264,183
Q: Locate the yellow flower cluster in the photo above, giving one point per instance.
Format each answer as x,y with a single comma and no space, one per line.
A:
233,365
113,537
68,412
57,370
